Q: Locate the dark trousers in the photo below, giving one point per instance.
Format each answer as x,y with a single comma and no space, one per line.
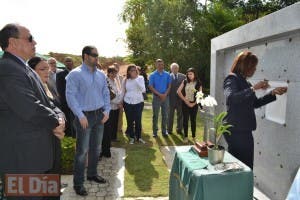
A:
177,105
110,132
70,130
241,146
133,114
189,113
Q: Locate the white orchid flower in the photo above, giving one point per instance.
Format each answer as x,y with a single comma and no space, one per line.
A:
208,101
199,96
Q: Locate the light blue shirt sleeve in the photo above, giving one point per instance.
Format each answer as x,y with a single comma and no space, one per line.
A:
72,88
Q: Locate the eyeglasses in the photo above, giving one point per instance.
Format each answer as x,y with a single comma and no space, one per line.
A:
133,70
93,55
29,38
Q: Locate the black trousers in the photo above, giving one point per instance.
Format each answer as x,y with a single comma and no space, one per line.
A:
189,113
110,132
241,146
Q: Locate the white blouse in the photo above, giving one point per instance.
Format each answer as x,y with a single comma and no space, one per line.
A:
134,89
118,91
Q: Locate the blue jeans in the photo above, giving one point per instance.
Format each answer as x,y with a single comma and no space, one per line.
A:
88,143
156,105
133,114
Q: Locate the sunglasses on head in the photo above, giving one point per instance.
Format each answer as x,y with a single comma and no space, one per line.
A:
93,55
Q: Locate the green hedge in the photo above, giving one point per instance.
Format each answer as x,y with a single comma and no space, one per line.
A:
68,145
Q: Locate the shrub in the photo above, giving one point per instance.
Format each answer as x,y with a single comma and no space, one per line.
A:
68,145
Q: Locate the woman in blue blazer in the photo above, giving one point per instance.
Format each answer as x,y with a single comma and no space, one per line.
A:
241,102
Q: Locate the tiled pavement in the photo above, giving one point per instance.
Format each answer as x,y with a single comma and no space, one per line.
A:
113,170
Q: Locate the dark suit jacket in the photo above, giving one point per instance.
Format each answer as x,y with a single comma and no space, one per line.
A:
241,102
27,119
173,97
61,86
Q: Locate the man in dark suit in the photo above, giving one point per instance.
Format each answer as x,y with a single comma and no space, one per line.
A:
61,89
29,122
175,101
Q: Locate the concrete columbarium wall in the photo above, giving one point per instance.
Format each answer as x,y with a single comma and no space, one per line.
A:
275,39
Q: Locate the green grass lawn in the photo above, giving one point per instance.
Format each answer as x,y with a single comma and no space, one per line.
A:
146,173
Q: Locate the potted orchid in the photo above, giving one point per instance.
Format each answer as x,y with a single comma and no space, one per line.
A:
216,151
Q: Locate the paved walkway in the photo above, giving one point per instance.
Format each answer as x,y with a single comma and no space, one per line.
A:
112,169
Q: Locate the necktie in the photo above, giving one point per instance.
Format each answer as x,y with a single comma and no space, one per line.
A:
175,78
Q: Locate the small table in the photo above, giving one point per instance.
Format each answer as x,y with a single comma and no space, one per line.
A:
194,178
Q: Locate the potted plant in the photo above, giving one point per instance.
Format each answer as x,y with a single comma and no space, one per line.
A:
216,151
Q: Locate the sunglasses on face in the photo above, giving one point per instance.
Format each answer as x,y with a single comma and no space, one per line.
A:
29,38
93,55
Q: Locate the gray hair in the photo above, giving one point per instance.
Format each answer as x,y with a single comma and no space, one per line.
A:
174,65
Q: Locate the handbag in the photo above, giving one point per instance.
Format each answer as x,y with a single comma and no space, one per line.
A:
112,94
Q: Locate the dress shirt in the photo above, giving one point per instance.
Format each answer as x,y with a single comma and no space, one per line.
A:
134,89
87,91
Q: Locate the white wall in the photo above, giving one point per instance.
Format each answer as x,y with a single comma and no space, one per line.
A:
275,39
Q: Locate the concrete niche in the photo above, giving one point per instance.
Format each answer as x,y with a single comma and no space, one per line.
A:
275,39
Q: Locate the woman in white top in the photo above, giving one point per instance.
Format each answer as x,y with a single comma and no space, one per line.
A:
134,87
187,92
110,127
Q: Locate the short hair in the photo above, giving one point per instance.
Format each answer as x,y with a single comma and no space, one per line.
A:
174,65
87,50
243,63
8,31
159,61
191,69
51,58
34,61
111,69
68,58
131,66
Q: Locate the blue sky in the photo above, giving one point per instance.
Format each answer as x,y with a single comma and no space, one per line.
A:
66,26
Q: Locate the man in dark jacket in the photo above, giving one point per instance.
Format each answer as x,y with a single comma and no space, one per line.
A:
29,122
61,89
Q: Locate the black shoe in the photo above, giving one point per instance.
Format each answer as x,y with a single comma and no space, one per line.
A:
106,155
97,179
154,135
80,190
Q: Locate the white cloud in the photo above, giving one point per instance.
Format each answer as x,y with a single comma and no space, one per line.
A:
67,26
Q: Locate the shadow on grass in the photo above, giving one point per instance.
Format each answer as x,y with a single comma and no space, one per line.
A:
143,172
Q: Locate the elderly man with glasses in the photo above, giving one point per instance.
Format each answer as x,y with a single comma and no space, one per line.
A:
29,122
87,95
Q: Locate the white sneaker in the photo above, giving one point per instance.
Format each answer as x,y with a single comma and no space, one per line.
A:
141,141
131,141
185,140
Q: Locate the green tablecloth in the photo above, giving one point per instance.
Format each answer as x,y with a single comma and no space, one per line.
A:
193,178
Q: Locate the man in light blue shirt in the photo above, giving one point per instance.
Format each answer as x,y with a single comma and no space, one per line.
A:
87,96
160,84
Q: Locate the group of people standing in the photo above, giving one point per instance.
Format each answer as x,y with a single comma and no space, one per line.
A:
39,104
174,91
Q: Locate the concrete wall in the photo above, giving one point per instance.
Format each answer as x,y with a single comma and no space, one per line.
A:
275,39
